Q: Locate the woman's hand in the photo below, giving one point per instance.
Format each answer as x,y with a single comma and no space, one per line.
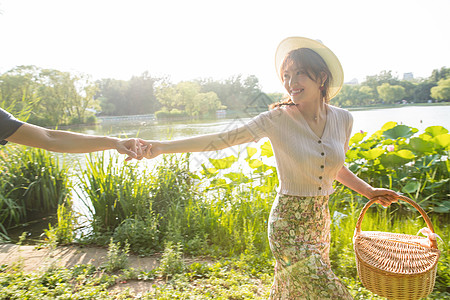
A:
384,197
151,149
131,147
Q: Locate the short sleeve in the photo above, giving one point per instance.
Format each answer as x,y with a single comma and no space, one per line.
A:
8,125
261,125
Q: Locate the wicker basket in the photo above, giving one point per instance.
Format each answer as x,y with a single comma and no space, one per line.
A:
394,265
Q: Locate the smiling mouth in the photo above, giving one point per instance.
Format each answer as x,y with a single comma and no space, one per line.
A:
296,92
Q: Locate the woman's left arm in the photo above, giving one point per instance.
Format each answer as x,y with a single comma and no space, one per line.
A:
384,196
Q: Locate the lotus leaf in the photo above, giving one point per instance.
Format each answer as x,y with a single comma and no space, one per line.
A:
372,153
436,130
399,131
223,163
442,141
266,149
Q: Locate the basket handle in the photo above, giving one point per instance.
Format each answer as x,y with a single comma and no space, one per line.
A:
406,199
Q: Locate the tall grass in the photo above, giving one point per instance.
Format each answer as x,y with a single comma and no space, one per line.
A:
113,191
33,183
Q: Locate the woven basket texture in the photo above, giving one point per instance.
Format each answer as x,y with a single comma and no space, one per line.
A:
393,265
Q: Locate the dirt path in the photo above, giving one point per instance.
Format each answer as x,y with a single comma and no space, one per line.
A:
33,259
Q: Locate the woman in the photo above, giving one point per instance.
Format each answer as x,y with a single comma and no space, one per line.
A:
309,139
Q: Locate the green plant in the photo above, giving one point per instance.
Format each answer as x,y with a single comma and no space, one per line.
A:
32,184
114,190
64,231
117,258
396,158
142,235
172,262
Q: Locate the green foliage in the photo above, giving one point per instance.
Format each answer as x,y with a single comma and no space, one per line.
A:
174,114
133,97
442,90
172,262
397,158
186,97
391,93
33,183
64,232
236,93
116,191
117,257
388,88
142,234
49,97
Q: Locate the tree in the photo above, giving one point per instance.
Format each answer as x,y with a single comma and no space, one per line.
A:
235,92
437,75
187,96
442,90
140,94
112,96
366,95
376,80
348,96
422,91
409,87
50,97
18,91
391,93
136,96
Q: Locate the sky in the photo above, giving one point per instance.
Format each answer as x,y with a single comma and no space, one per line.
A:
187,40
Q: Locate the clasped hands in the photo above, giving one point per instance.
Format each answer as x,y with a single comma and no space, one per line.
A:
137,148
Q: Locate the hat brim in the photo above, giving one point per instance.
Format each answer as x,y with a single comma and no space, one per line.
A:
292,43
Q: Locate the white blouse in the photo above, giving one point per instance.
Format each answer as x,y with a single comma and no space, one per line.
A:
307,164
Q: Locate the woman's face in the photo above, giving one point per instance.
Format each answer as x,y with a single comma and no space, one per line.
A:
299,85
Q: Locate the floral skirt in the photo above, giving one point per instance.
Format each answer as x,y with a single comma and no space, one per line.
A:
299,237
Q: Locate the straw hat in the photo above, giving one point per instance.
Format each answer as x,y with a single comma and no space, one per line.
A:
292,43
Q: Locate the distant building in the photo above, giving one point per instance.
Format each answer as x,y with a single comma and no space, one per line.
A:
408,76
354,81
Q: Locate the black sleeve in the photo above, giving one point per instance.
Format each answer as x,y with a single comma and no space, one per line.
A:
8,125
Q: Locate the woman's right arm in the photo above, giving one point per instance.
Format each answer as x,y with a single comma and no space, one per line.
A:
208,142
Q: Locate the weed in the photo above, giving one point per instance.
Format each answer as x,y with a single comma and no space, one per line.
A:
117,258
172,262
